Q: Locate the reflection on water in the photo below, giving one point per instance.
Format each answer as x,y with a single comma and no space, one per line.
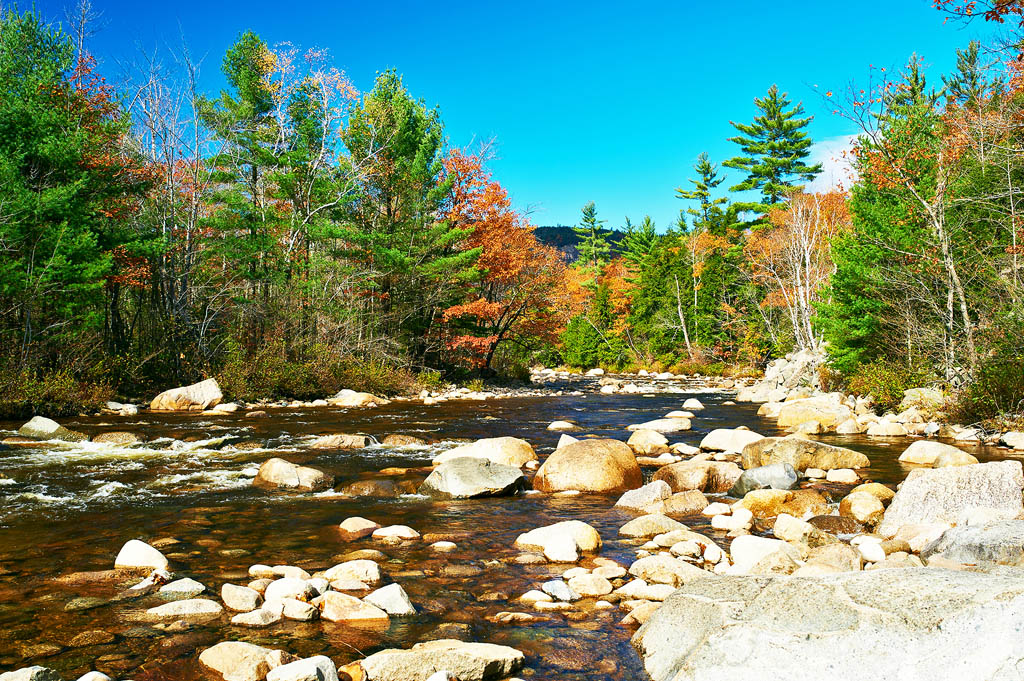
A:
69,508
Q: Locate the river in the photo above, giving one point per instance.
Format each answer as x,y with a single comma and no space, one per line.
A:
69,509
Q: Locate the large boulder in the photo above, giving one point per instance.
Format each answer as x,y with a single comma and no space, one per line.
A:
728,439
508,451
42,428
463,661
801,454
280,474
931,453
195,397
351,398
468,477
590,466
942,495
826,410
1000,542
774,476
920,623
238,660
713,477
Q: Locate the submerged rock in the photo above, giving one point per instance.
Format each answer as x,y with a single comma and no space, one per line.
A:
196,397
464,661
590,466
467,477
861,626
280,474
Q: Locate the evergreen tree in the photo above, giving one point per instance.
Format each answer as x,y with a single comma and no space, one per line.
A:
638,242
706,182
774,148
593,246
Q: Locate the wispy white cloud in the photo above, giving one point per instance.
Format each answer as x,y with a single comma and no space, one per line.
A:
836,171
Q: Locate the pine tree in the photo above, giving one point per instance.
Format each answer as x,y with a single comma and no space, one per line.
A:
774,148
707,206
638,242
593,246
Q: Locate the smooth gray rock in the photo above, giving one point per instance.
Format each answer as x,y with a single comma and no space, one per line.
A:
465,661
941,495
912,623
317,668
772,476
42,428
556,588
280,474
1000,542
469,477
642,498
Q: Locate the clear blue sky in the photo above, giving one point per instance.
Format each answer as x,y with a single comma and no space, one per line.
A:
601,101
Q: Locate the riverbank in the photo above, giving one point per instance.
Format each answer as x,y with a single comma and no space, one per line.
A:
186,488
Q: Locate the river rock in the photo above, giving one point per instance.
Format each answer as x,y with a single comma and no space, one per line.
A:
42,428
356,528
35,673
289,587
649,442
774,476
749,550
769,503
195,397
561,425
860,626
351,398
673,425
664,569
507,451
942,495
561,540
402,532
381,489
865,508
649,526
836,524
825,410
240,598
590,585
392,599
693,404
927,400
647,497
690,502
94,676
261,617
117,437
728,439
885,428
280,474
1013,440
1000,543
469,477
318,668
464,661
342,441
397,440
182,588
564,440
601,465
190,609
360,569
559,590
801,454
927,452
713,477
138,555
338,607
238,661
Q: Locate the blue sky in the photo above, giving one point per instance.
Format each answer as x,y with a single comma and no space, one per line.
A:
601,101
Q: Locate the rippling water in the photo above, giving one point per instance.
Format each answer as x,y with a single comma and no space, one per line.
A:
69,508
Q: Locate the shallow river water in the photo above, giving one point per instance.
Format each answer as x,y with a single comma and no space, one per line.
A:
69,509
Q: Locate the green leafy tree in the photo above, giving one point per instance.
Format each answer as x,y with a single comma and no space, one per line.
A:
773,151
593,245
638,242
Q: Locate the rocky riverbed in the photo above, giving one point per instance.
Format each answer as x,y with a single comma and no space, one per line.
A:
583,528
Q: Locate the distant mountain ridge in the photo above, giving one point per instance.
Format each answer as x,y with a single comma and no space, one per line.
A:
566,241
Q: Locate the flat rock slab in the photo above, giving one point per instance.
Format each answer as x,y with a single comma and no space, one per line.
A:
912,623
469,477
801,454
